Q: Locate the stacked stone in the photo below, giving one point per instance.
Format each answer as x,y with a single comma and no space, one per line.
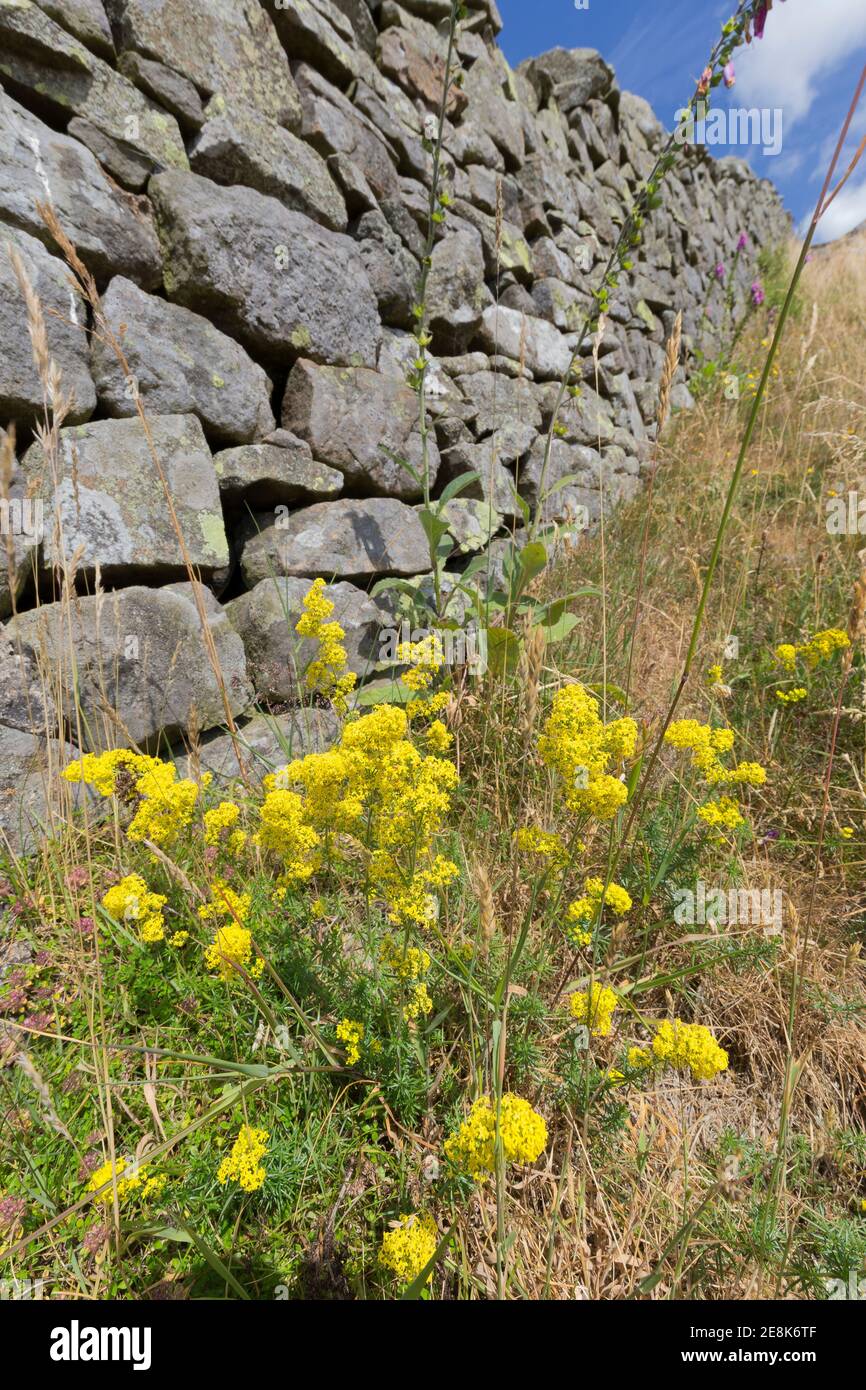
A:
248,183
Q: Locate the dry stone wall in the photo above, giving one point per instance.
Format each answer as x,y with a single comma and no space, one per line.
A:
247,181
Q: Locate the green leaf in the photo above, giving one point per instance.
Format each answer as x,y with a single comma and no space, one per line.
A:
434,527
533,558
503,649
565,481
383,693
555,631
605,688
458,485
551,612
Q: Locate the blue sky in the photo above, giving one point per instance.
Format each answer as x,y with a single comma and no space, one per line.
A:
806,67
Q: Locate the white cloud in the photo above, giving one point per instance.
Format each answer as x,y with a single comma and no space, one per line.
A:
846,211
802,45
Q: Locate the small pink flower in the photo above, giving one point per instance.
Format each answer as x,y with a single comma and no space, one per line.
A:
729,73
758,295
706,79
720,271
743,242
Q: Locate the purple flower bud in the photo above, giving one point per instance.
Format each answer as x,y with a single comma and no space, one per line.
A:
720,271
743,242
758,295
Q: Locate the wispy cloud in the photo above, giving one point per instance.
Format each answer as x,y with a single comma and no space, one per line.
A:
804,44
846,211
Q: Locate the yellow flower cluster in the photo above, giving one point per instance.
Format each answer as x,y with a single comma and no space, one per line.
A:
583,911
377,787
232,945
595,1008
410,964
129,1178
578,745
684,1046
132,901
792,697
530,840
418,1003
522,1131
707,745
285,831
819,648
409,1247
219,827
225,902
352,1034
113,773
722,814
167,805
427,708
326,674
424,660
244,1164
164,805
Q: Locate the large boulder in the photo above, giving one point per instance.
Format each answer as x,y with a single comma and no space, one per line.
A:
281,283
111,231
346,539
167,87
455,290
570,76
526,339
567,486
26,700
277,471
21,524
239,145
34,799
141,671
493,400
86,19
419,66
105,504
360,422
227,46
179,364
131,135
21,391
277,658
318,32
